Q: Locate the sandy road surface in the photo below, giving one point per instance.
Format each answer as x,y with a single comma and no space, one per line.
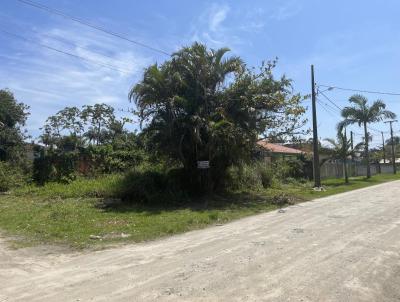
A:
341,248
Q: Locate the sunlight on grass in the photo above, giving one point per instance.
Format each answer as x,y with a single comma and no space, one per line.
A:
69,214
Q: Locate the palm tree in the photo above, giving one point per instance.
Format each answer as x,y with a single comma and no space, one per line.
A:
182,102
362,114
342,149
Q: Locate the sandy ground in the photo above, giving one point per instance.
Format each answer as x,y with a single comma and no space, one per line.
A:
341,248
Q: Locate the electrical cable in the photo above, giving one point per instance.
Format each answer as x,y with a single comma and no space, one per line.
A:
64,41
330,87
91,25
65,52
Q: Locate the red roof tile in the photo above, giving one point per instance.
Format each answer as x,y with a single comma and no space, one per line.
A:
275,148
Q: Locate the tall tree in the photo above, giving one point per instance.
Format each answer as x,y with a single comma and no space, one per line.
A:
70,118
362,114
52,129
201,105
396,142
13,115
342,149
99,117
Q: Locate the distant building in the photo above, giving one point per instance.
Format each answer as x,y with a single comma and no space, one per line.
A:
270,151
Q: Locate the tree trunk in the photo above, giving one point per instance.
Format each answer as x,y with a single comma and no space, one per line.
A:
346,175
367,150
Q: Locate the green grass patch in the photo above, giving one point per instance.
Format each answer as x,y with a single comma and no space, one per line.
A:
105,186
70,214
336,186
73,221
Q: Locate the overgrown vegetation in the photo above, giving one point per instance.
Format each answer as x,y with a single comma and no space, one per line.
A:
82,187
13,115
11,176
194,162
84,214
88,141
203,106
14,167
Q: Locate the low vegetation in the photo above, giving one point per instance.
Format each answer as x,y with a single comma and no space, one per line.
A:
85,214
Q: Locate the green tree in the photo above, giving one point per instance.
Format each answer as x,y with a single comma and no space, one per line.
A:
52,128
200,105
96,123
13,115
70,118
396,140
99,117
341,149
388,147
67,120
362,114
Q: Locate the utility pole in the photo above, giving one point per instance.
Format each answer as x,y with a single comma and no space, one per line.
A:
346,174
352,145
317,174
351,141
393,149
383,148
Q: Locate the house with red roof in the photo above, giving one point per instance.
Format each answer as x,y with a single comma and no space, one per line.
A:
270,151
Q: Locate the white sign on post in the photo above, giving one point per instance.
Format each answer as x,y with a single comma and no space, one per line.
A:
203,164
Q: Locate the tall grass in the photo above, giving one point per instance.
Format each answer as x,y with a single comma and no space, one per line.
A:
11,176
257,175
103,186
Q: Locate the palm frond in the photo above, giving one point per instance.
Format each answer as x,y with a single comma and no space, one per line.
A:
351,113
359,146
347,122
389,114
359,100
233,64
332,142
219,54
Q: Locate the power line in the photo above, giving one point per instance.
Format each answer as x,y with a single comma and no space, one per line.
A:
376,130
369,127
91,25
332,102
332,110
326,107
358,90
64,41
64,52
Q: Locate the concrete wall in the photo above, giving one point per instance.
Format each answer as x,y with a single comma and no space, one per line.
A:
329,170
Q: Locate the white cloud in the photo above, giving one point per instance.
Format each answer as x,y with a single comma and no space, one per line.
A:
217,15
48,81
221,25
287,10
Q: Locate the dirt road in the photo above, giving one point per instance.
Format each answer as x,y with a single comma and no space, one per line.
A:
341,248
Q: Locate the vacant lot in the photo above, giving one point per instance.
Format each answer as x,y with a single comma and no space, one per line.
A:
340,248
75,215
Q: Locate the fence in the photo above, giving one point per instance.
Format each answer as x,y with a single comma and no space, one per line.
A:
329,170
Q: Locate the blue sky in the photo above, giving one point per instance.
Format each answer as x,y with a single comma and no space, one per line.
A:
352,44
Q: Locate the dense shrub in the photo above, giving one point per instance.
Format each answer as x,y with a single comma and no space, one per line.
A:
153,185
106,159
11,176
267,177
289,168
55,166
256,175
142,186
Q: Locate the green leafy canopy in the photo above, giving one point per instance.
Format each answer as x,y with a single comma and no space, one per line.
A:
202,105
